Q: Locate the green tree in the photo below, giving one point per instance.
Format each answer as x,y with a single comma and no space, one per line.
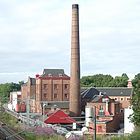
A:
86,80
6,88
100,80
136,100
120,81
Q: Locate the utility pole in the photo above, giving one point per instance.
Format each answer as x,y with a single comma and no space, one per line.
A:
27,109
43,112
94,138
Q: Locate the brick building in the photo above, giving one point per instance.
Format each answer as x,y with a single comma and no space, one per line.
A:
107,113
28,90
51,87
119,99
122,95
119,94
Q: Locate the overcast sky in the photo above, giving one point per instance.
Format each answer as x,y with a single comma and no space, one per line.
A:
36,34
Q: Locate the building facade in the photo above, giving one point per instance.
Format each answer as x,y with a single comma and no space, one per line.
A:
107,114
15,98
122,95
52,86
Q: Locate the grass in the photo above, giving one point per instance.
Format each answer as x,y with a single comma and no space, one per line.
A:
30,136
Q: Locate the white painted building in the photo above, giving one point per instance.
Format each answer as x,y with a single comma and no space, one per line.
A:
14,96
128,125
88,115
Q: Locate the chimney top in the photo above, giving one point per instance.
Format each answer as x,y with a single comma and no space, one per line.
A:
129,85
75,6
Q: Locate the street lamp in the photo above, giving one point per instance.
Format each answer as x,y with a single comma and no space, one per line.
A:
43,113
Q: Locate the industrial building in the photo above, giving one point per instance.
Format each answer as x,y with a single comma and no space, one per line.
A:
54,90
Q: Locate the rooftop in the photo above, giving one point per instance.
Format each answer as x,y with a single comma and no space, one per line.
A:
53,72
115,91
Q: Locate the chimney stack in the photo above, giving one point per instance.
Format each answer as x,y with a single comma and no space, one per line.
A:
129,84
75,97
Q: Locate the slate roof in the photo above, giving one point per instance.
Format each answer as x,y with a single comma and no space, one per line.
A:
59,104
115,91
96,98
89,93
53,72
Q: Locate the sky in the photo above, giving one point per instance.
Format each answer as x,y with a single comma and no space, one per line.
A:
36,34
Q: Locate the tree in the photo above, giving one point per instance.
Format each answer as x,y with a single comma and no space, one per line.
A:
136,100
5,90
86,80
120,81
100,80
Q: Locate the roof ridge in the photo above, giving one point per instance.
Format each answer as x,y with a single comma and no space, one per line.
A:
113,87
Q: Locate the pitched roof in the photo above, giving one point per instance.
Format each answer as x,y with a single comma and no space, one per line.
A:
109,91
98,98
89,93
59,117
53,72
115,91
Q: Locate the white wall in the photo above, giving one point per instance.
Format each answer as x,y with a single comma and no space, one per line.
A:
88,115
14,98
128,125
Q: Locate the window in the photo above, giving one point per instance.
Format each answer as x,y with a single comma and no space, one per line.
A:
116,99
66,95
121,110
45,86
99,128
50,75
55,96
128,99
101,107
55,86
121,99
45,95
101,111
60,75
66,86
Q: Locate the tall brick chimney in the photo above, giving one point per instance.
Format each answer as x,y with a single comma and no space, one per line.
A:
75,97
